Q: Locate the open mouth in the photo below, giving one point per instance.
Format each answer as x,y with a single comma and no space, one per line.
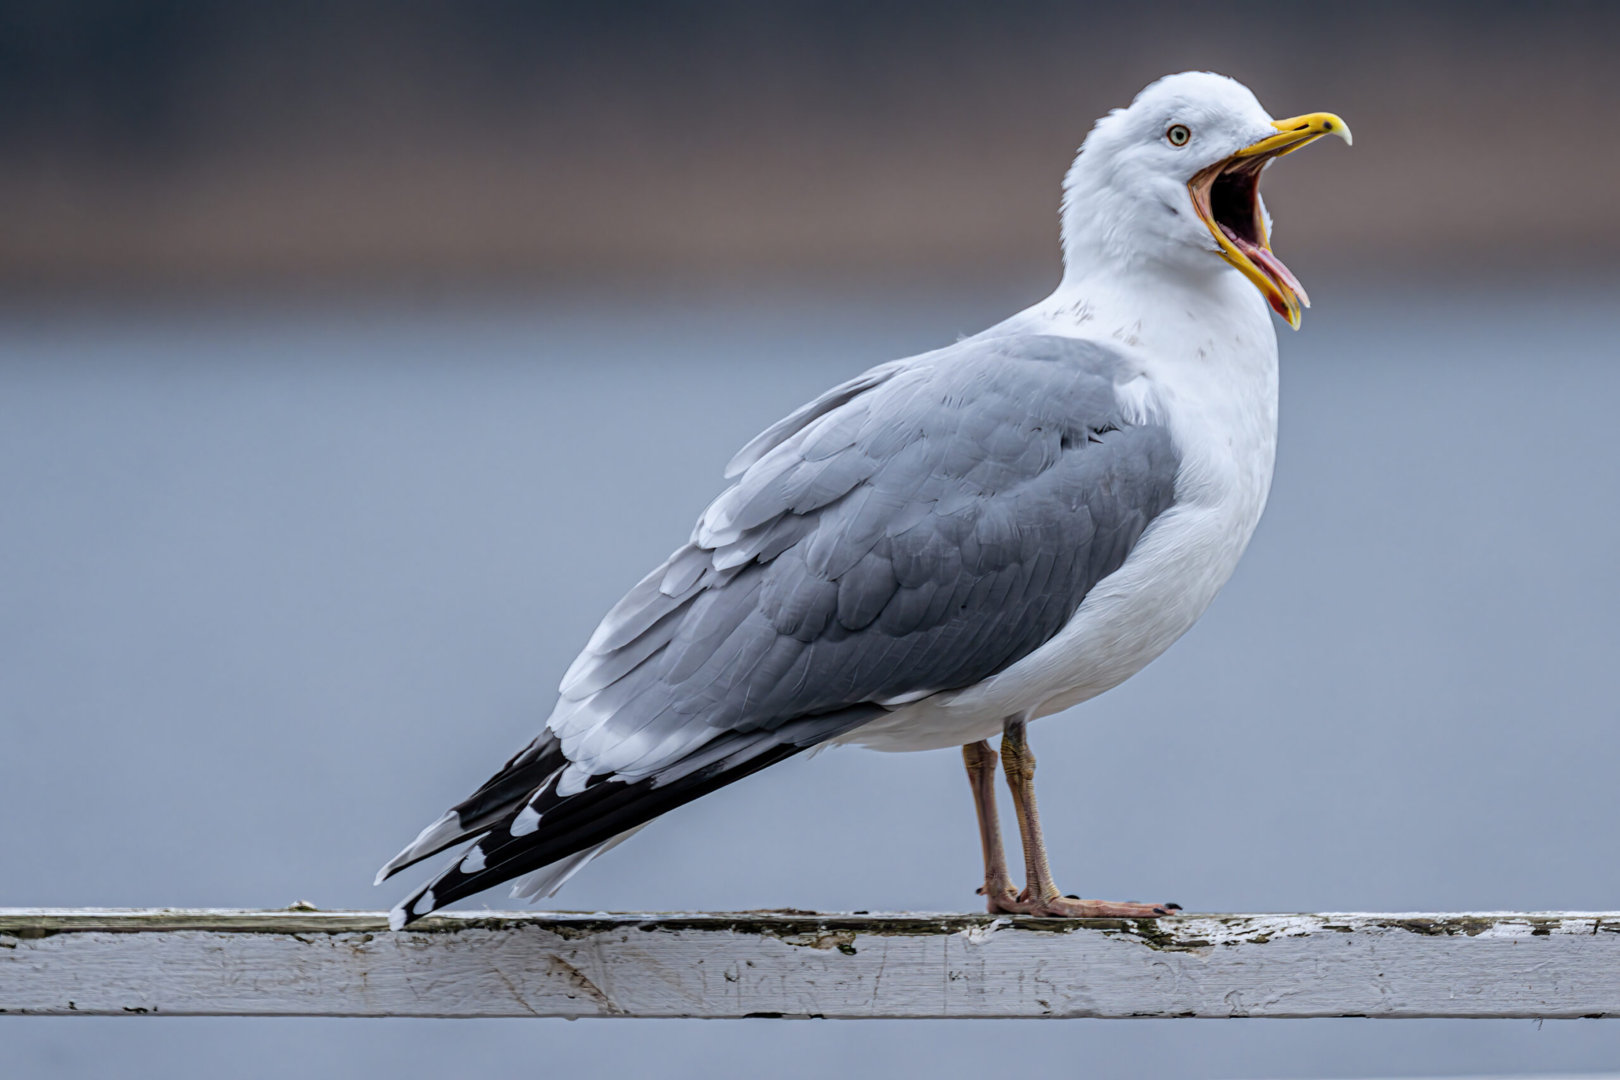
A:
1227,198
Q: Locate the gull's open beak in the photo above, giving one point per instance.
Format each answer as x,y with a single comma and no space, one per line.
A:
1227,197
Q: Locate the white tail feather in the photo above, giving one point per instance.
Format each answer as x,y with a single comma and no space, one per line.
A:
436,835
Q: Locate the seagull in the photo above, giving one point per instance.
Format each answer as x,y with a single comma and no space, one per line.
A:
951,545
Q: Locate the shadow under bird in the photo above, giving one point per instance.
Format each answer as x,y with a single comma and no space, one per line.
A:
952,545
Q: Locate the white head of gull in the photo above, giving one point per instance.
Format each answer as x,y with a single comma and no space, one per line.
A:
949,546
1161,185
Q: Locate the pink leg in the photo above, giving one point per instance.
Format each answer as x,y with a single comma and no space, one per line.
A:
980,759
1040,895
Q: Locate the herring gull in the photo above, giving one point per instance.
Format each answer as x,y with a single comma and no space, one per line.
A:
951,545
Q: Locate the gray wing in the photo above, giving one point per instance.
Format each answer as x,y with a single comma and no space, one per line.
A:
920,536
915,530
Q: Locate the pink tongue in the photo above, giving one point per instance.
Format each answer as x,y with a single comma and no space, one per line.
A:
1272,265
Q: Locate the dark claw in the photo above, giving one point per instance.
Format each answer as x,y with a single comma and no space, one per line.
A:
979,891
1071,896
1173,907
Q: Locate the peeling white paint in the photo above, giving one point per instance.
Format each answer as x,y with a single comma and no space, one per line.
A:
307,963
978,935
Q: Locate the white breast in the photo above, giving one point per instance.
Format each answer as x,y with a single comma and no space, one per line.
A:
1213,380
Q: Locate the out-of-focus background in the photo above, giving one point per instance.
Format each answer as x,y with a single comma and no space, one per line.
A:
354,357
205,143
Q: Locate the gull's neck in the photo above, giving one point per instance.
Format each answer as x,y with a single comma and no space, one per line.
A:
1109,222
1126,276
1157,311
1136,288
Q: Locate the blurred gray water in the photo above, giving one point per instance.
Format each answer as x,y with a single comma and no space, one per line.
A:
278,586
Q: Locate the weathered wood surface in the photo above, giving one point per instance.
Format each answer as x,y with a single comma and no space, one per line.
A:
792,964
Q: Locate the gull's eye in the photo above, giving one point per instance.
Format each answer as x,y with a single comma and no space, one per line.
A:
1178,134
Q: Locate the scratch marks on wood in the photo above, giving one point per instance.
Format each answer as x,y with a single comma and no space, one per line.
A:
579,981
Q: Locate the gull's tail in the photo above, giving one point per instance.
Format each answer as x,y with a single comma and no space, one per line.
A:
523,826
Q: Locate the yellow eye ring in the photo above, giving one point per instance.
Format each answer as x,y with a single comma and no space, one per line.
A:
1178,135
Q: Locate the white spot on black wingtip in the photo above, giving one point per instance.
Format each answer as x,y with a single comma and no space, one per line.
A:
474,861
396,919
424,905
526,822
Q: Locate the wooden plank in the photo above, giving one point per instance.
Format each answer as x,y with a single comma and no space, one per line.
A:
797,964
